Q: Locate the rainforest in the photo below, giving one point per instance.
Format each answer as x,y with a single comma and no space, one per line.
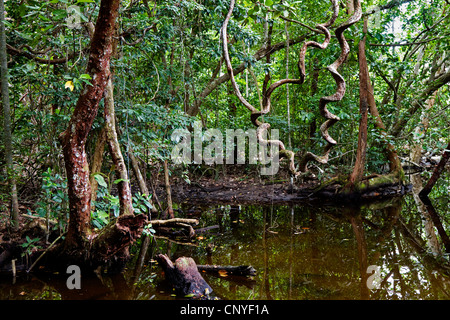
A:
224,150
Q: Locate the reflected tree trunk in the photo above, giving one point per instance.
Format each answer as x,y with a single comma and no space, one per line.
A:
358,229
437,222
265,285
430,234
291,253
392,215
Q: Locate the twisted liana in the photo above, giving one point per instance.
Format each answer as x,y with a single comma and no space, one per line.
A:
331,118
255,113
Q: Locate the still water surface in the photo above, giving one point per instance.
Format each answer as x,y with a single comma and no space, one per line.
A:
299,252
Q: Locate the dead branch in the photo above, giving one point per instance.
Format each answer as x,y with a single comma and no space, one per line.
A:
173,222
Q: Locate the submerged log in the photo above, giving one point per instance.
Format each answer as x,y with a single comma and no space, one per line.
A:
371,188
183,275
228,270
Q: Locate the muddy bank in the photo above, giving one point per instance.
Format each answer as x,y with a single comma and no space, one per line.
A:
281,191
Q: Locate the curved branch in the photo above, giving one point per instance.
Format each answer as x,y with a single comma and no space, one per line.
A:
15,51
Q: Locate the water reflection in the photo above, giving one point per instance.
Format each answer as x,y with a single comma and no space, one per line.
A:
299,252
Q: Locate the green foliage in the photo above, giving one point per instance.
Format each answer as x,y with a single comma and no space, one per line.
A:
141,203
106,205
53,200
168,51
30,245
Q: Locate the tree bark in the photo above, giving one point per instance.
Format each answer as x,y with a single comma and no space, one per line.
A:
389,150
358,170
168,191
140,178
184,276
7,134
125,198
73,139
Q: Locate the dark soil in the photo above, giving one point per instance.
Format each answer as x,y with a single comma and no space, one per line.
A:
240,188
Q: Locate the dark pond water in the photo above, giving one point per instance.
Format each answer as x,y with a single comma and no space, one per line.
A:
299,252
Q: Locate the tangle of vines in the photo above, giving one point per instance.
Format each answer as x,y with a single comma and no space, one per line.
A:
331,118
340,92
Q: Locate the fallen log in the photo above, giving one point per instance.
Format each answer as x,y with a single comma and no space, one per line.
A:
183,275
244,271
173,222
163,226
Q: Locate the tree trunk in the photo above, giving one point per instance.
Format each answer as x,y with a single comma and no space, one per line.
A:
7,135
358,170
140,178
184,276
168,192
389,149
434,216
126,204
73,139
109,249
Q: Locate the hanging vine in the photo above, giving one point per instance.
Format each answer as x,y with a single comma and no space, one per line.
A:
331,118
255,113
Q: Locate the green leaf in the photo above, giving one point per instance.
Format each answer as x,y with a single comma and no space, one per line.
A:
85,76
120,180
100,180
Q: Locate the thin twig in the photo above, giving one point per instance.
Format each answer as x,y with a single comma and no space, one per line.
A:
302,24
43,253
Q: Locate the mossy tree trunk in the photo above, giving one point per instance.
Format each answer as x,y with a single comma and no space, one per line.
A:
80,245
